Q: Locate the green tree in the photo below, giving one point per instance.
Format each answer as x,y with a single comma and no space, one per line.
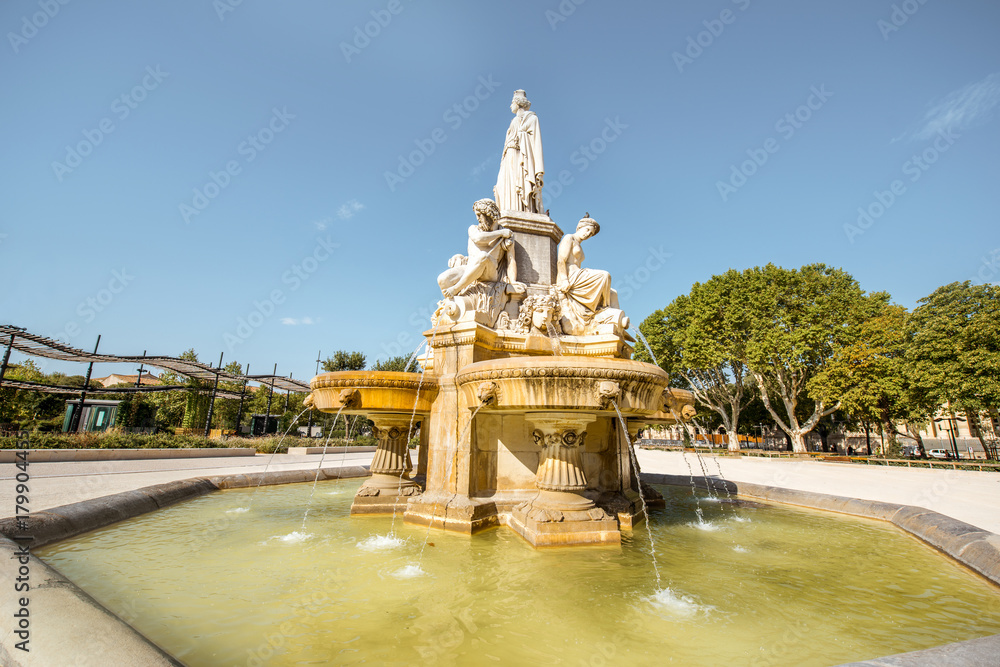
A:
701,337
799,320
954,354
397,364
342,360
870,377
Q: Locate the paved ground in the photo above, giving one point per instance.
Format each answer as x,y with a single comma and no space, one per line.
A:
55,484
970,496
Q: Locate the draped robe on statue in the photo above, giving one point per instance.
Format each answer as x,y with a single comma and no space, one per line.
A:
588,290
519,183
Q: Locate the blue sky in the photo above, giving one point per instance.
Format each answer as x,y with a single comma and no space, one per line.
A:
170,169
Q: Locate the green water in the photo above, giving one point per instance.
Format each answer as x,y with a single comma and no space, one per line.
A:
763,585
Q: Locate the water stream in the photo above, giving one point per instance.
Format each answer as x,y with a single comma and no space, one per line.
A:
642,497
409,431
271,457
648,346
319,466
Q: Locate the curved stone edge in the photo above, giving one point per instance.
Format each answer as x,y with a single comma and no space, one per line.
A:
980,652
67,625
973,547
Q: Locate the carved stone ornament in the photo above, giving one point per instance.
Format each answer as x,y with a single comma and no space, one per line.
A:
488,391
350,398
607,391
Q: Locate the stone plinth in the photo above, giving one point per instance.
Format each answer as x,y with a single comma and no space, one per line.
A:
535,239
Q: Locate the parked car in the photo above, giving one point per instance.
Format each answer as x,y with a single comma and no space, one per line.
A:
939,454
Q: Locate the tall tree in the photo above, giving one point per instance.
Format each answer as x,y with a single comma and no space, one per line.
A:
799,319
702,337
397,364
342,360
954,355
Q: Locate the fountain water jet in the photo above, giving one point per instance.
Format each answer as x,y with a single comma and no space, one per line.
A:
271,457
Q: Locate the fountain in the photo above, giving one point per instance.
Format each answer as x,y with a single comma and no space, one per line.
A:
527,405
527,357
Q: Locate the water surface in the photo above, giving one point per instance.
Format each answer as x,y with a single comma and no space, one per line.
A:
751,585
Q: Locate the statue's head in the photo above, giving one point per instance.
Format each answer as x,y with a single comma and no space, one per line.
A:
520,101
487,212
588,227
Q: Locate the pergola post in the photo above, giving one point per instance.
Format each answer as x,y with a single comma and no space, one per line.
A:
211,401
74,422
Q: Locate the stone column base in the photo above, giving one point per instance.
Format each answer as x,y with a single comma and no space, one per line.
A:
453,513
384,494
543,527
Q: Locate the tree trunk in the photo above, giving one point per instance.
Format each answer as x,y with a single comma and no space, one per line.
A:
734,440
915,432
797,442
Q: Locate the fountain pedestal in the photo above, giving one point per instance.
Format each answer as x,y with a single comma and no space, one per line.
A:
390,486
560,514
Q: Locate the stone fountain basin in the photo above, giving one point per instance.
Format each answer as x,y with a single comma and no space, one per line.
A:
564,383
373,392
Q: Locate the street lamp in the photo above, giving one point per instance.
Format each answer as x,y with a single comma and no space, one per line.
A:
952,428
309,429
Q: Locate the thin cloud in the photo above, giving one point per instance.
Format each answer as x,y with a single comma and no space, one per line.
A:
321,225
966,107
349,209
293,321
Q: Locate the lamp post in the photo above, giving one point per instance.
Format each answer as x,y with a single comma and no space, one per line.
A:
951,432
309,430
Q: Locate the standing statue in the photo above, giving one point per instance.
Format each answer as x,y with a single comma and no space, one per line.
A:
487,244
586,297
519,183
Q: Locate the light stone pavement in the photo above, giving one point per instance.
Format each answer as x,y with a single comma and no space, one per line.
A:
55,484
967,495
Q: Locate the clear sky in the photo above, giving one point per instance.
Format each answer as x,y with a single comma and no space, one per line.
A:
169,168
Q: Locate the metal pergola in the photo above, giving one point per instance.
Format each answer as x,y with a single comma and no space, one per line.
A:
29,344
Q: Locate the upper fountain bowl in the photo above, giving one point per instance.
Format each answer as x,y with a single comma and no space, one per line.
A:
564,383
373,392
